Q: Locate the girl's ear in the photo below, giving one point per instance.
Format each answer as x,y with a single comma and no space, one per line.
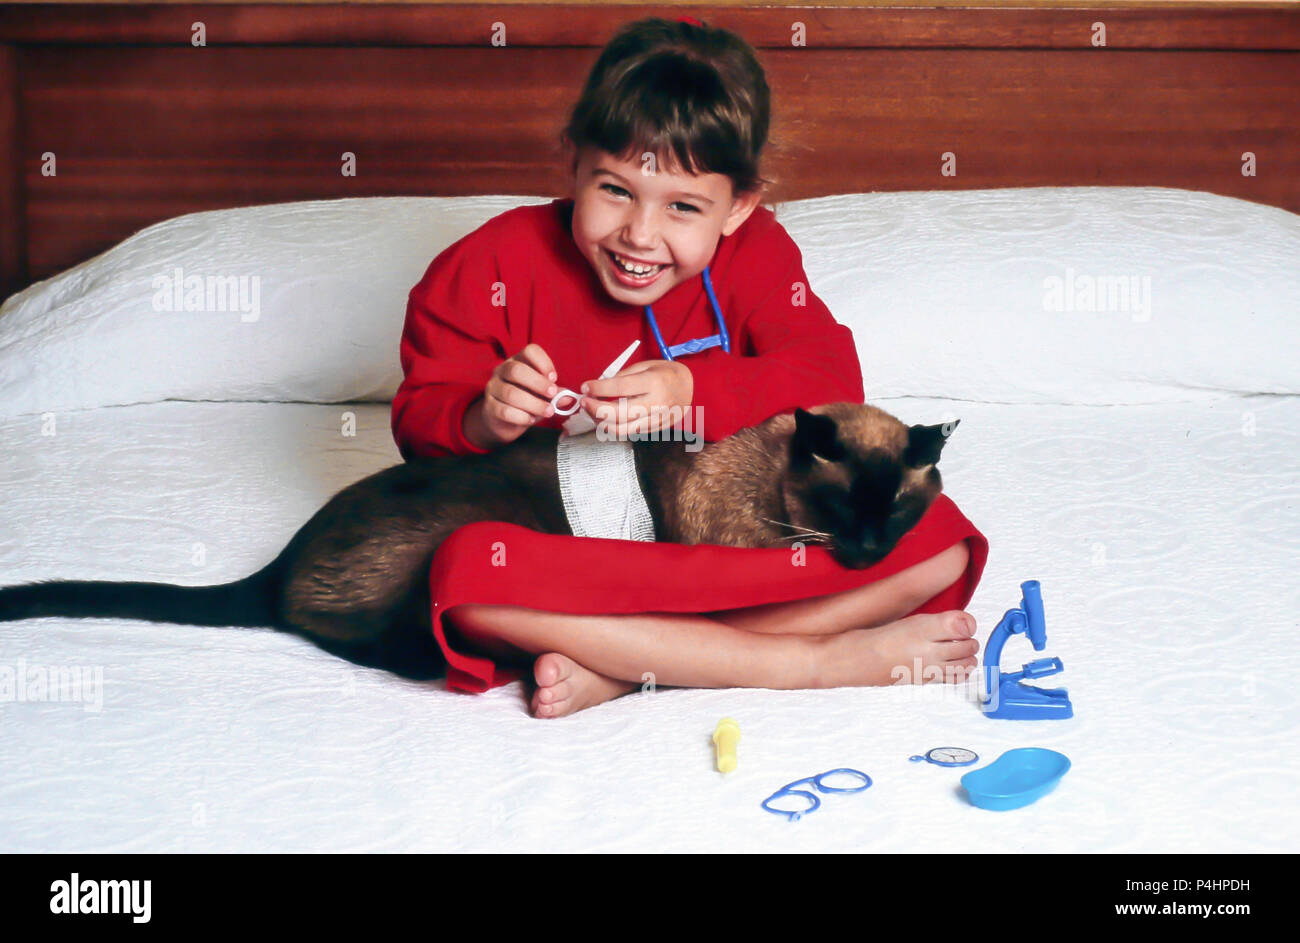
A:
924,443
742,205
815,435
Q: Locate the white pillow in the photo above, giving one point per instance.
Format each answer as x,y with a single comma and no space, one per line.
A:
945,293
948,293
316,318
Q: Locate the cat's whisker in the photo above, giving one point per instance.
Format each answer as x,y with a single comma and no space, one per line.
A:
807,533
797,527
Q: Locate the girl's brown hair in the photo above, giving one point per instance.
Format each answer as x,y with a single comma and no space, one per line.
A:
694,92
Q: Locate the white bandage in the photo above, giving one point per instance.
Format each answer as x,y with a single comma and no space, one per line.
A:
602,495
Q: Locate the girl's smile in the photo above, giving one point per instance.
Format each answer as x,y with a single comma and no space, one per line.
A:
634,274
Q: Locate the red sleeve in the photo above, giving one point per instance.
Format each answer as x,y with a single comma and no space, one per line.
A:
452,340
799,355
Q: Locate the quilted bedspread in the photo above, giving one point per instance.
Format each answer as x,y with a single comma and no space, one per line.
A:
1165,537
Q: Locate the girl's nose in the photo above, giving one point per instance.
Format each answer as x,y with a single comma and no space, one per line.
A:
638,230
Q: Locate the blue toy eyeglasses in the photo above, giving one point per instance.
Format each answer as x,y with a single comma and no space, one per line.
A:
816,782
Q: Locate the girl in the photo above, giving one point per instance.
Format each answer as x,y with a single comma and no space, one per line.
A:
663,147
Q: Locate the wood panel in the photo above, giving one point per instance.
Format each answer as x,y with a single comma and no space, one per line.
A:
687,5
13,216
146,127
1189,26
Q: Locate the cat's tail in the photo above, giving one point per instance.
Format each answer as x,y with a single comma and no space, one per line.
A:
252,601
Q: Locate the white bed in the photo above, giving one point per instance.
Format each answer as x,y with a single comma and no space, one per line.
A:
1163,527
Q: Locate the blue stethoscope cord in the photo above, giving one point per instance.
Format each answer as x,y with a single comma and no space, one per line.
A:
721,339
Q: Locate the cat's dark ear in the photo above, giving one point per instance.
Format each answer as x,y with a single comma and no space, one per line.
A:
815,434
924,443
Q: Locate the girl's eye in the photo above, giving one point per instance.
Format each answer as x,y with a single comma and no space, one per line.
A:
619,191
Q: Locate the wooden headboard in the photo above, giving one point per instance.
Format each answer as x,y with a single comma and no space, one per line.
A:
139,124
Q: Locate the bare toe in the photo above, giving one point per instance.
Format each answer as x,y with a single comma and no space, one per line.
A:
956,624
959,650
552,672
967,667
551,668
571,686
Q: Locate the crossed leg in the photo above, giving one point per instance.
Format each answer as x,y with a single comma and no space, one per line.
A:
858,636
862,607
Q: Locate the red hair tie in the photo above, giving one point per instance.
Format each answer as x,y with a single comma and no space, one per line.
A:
689,19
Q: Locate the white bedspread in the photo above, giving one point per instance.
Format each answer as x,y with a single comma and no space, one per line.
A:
1165,537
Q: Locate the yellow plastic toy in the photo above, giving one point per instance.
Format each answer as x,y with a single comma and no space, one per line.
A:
725,737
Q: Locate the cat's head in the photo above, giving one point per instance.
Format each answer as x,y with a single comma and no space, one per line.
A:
861,477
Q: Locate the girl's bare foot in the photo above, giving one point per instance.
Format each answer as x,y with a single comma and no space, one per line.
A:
919,648
564,686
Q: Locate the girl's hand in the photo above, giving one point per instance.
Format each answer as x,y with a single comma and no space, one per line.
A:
516,395
652,388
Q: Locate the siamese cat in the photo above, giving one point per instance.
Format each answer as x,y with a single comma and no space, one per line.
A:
354,578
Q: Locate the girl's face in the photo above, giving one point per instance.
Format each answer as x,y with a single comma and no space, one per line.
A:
666,225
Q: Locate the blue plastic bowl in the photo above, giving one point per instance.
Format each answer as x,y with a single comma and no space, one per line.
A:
1016,778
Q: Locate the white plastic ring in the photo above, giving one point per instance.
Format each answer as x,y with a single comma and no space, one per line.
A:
567,410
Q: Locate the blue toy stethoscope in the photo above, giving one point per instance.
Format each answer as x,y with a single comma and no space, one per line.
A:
719,339
694,346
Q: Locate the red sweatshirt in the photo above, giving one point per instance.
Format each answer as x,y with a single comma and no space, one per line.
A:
519,279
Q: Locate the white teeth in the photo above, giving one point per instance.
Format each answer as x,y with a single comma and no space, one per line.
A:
634,268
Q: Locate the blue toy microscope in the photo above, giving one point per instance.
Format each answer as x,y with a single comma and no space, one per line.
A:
1006,695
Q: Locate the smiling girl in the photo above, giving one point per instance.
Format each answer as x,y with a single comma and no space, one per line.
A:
663,219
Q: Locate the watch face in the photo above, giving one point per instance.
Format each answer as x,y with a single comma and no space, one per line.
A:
952,756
